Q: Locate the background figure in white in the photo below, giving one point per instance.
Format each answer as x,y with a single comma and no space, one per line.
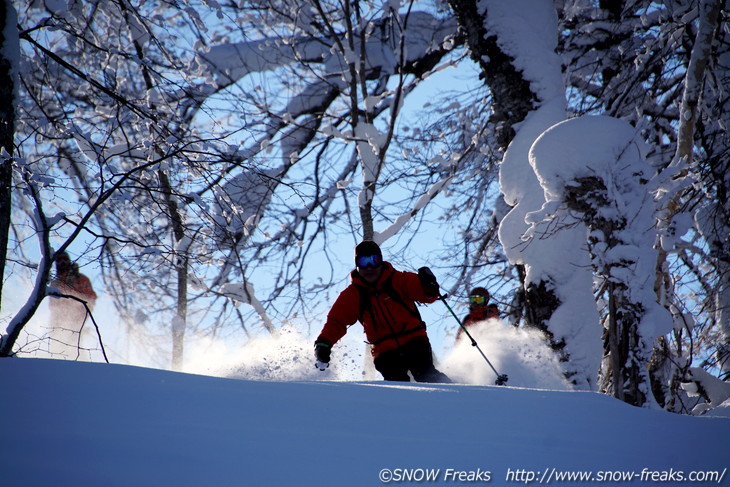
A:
67,314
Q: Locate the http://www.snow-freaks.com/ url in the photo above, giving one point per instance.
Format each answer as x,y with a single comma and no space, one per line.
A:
549,475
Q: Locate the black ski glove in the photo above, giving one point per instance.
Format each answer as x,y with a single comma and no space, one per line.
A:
322,353
428,281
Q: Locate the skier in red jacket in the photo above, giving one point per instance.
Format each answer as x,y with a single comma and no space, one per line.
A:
68,315
384,300
67,312
479,309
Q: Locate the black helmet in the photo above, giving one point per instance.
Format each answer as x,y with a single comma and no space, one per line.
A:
367,248
478,297
479,291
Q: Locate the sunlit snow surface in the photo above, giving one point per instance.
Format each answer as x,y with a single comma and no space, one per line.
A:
84,424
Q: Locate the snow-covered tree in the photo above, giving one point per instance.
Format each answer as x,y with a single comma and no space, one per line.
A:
604,180
613,56
531,96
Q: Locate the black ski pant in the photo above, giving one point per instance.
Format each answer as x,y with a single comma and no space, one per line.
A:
415,356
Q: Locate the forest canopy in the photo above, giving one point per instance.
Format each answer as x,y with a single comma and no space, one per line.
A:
213,164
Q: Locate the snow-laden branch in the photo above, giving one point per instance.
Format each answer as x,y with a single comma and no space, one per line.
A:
229,63
98,154
403,219
243,292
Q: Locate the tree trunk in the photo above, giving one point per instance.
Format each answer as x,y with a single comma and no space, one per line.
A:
512,97
8,20
693,83
181,266
7,341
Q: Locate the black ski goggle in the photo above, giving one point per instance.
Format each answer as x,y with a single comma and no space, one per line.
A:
365,261
477,299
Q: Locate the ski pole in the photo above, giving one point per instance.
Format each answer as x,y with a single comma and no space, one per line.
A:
501,378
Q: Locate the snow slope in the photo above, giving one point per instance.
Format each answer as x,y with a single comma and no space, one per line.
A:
89,424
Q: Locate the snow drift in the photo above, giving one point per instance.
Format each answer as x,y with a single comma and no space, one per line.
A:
73,423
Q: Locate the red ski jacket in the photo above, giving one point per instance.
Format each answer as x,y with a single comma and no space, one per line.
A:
479,313
387,310
66,311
